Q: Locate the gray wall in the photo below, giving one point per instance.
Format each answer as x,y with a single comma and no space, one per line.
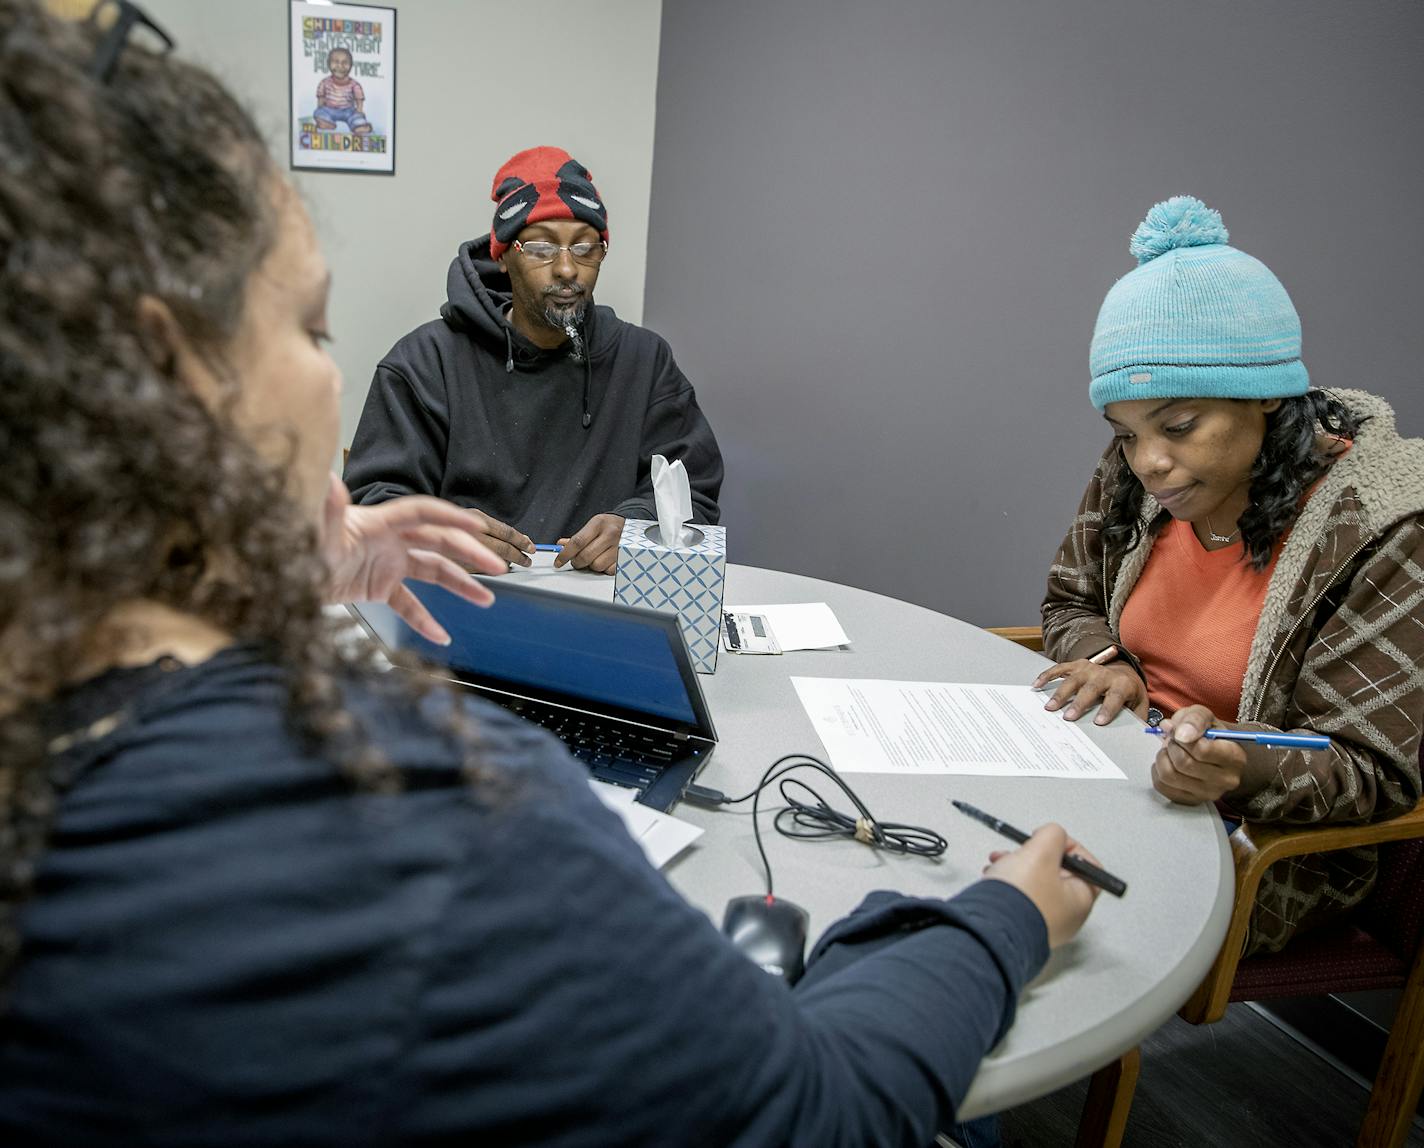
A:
466,99
881,232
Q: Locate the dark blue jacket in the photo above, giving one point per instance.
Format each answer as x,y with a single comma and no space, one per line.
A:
229,945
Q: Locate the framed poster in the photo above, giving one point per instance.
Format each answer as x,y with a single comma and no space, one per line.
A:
342,87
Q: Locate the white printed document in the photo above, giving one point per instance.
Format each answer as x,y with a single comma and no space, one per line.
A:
874,726
661,835
799,625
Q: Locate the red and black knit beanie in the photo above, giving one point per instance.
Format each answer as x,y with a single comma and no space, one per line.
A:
542,183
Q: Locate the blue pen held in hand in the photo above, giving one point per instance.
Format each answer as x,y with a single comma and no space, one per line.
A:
1264,737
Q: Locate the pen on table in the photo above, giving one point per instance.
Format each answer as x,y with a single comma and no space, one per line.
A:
1084,869
1260,737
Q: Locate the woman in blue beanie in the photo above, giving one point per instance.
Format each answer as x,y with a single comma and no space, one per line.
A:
1248,554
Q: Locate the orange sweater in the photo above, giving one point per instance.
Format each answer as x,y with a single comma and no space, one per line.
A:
1191,618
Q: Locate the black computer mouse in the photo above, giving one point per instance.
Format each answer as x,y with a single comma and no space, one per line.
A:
771,932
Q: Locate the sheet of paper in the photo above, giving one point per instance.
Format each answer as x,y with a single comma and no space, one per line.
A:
616,797
873,726
541,566
799,625
661,835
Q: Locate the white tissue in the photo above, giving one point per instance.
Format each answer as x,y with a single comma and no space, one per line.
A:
673,497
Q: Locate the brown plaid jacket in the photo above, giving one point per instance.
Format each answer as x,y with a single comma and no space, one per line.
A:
1338,650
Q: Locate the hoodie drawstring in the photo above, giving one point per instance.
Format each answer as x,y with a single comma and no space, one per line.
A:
587,375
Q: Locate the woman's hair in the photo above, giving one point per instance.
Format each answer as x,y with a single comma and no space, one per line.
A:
119,483
1290,460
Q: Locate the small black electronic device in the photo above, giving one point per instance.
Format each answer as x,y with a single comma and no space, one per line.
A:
770,932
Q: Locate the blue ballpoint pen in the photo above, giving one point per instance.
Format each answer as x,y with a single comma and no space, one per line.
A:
553,546
1261,737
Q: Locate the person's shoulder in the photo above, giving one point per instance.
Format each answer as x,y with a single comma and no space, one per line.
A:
428,336
628,336
643,356
431,351
426,731
1381,475
447,727
519,786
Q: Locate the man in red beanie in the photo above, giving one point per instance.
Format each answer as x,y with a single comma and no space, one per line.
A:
525,401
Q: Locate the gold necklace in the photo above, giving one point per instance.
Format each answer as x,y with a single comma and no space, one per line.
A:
1215,537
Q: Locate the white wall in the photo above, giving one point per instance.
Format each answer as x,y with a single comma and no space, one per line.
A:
475,82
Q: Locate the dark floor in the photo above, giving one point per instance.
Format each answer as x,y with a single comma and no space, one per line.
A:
1242,1081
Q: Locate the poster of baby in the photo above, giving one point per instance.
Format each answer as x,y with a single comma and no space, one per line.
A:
343,87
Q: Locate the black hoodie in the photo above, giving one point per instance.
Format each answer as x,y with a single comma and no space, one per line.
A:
467,409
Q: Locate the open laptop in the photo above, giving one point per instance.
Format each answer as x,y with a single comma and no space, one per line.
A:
614,682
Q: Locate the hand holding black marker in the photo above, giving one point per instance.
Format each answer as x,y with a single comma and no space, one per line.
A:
1075,865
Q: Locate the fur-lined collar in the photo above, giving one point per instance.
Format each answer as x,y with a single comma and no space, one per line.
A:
1385,471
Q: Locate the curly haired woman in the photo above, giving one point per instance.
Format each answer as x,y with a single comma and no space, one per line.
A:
252,891
1248,555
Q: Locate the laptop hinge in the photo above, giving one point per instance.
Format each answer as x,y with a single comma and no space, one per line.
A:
481,688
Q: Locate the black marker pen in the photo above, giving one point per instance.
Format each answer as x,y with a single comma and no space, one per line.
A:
1076,865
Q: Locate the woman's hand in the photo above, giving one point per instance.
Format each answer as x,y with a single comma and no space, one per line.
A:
1191,769
1036,870
371,550
1086,684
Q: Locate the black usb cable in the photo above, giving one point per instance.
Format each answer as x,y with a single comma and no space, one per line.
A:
811,819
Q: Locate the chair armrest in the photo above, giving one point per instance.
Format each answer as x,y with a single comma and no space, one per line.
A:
1255,848
1030,637
1263,843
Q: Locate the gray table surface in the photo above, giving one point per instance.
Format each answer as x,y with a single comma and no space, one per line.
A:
1136,960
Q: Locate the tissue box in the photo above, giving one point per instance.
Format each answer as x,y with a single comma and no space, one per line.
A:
687,578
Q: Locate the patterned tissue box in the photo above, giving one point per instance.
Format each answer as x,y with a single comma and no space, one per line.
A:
687,578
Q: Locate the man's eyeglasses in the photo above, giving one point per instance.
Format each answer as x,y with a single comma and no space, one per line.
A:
537,252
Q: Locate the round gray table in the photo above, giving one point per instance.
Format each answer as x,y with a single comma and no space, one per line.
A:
1136,960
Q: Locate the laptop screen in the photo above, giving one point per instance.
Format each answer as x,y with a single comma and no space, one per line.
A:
552,642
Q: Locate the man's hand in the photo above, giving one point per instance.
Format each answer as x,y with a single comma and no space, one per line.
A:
595,547
500,538
1036,870
1191,769
1117,687
371,550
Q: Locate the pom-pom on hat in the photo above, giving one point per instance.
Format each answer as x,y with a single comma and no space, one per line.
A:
542,183
1195,318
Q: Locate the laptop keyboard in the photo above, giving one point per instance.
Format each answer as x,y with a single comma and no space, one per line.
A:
626,755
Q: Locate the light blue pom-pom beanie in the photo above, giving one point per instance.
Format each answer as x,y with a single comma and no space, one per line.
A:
1195,318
